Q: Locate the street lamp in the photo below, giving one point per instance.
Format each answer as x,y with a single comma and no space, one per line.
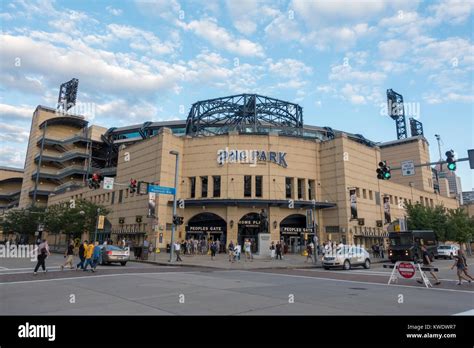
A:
173,226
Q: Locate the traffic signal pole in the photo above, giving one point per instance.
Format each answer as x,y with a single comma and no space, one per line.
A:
432,163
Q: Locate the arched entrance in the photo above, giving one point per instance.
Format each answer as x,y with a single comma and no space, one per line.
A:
293,231
207,226
249,228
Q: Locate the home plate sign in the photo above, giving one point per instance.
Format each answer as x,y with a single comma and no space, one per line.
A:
406,269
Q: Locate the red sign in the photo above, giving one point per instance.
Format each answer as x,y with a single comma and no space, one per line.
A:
406,269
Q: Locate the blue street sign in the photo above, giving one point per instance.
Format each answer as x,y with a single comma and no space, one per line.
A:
163,190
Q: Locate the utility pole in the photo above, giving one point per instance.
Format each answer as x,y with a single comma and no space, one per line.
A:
438,138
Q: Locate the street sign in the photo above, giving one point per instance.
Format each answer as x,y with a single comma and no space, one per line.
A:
470,155
101,222
406,269
142,188
163,190
108,183
408,168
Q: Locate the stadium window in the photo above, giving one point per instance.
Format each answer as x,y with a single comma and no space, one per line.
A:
370,195
113,198
192,181
311,190
358,192
120,200
203,186
247,186
258,186
216,186
364,193
289,187
391,199
300,188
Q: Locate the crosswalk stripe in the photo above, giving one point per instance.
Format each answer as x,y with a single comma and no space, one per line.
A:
469,312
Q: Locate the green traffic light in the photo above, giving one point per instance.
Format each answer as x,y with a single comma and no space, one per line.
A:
452,166
387,175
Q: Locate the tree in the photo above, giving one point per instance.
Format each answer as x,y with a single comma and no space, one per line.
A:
422,217
460,226
61,218
22,221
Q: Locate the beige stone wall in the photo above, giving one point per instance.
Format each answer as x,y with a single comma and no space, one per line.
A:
57,132
469,209
8,187
335,166
415,149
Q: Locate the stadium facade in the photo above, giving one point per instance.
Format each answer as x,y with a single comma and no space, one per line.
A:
237,156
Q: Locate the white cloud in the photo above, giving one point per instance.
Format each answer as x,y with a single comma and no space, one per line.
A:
114,11
352,94
16,112
288,68
13,134
10,156
283,28
247,14
452,11
393,49
347,73
209,30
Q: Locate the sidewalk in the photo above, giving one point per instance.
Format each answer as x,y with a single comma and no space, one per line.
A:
222,261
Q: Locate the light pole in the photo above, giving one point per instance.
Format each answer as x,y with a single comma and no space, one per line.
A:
96,224
173,226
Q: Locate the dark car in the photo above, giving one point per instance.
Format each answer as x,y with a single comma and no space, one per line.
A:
114,254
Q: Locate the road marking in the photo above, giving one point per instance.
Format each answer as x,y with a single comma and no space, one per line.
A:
3,268
469,312
355,281
95,276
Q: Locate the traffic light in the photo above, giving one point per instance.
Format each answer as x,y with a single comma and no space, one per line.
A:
178,220
383,172
450,160
133,185
94,181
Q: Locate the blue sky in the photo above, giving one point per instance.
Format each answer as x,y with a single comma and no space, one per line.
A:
150,60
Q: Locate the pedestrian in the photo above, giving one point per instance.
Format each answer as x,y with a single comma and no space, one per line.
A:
309,253
43,253
177,249
213,250
82,251
460,269
88,255
278,250
381,248
427,263
248,250
238,250
96,255
69,254
272,250
146,245
218,245
231,251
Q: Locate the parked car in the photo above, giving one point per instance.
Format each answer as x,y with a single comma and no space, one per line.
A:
447,251
347,257
114,254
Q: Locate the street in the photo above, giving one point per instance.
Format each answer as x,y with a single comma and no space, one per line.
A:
147,289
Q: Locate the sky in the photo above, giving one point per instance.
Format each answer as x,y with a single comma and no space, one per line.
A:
144,60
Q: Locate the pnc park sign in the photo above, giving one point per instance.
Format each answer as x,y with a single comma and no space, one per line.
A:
251,157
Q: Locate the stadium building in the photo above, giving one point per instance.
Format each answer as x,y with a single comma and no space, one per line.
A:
237,156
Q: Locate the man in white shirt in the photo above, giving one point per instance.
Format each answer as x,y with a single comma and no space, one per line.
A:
177,249
238,250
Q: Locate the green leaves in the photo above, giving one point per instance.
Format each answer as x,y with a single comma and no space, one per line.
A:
452,225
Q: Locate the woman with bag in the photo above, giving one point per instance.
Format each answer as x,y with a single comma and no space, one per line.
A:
43,253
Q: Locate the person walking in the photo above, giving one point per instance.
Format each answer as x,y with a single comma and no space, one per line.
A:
460,269
69,254
96,255
213,250
81,254
43,253
248,250
272,251
427,263
463,256
88,254
382,250
231,251
309,253
278,248
177,250
238,250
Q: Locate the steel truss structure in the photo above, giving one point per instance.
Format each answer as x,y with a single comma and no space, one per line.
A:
396,111
245,113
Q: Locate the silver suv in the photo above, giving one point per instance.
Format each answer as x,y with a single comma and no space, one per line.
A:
347,257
